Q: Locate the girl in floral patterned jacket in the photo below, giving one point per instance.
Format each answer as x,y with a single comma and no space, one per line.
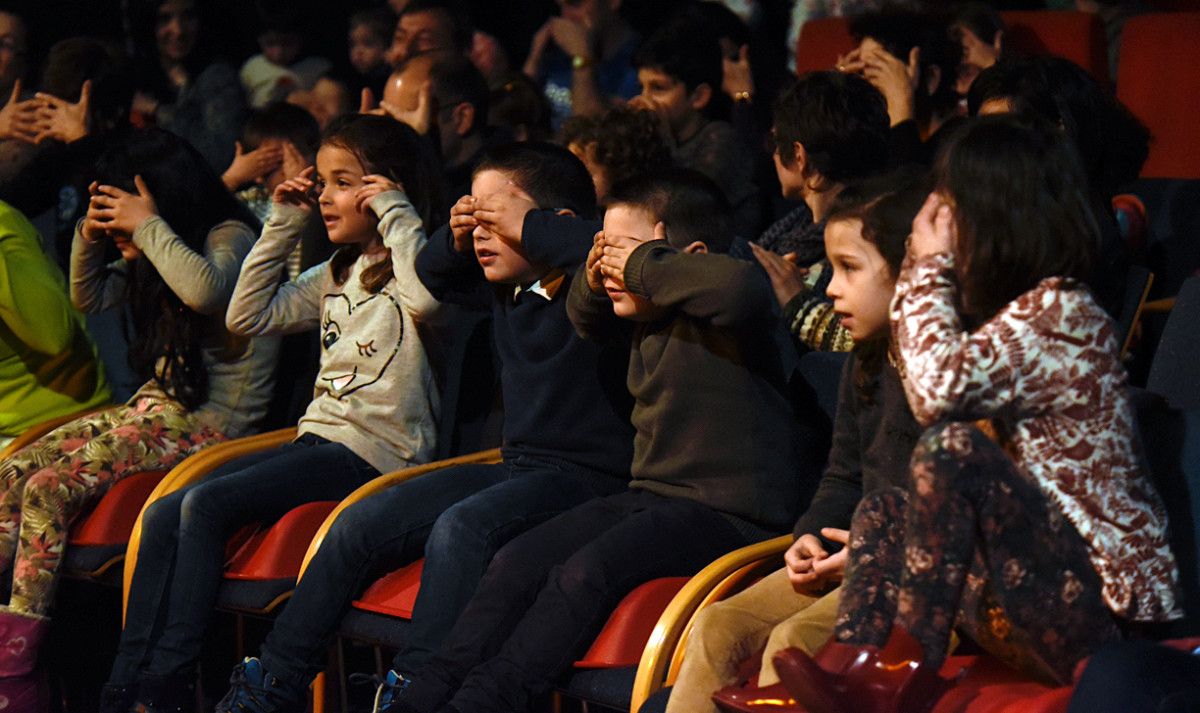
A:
1045,540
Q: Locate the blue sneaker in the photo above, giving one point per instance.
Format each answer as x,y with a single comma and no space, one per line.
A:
387,691
253,690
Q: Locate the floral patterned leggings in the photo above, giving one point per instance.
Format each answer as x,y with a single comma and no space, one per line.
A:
45,485
970,517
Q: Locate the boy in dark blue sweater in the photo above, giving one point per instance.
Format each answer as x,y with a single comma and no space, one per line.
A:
567,435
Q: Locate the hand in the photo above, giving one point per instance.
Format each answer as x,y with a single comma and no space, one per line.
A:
573,38
787,280
61,120
294,162
736,76
833,568
850,63
299,191
121,211
93,229
418,119
934,229
373,185
591,268
366,102
503,213
463,223
18,119
894,79
249,166
617,250
809,566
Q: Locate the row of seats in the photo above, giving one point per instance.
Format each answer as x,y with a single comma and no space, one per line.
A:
1159,68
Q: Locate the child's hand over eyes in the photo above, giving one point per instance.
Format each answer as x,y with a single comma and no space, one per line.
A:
250,166
373,185
121,211
298,192
591,268
933,230
503,213
463,223
617,249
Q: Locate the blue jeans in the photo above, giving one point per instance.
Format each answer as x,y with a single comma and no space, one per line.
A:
457,518
182,551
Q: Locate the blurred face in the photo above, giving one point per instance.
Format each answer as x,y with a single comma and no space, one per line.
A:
176,30
667,95
366,50
280,48
12,49
340,174
626,222
862,284
418,33
503,262
978,55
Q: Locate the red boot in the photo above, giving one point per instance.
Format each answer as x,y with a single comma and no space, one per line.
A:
20,636
847,678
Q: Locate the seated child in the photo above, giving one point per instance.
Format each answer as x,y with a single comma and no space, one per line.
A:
370,35
375,400
717,457
48,365
1045,543
620,143
278,142
567,438
279,70
873,437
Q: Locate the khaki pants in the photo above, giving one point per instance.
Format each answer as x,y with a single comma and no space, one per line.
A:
725,634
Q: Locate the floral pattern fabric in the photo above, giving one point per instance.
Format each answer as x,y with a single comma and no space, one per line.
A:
1045,369
974,541
45,485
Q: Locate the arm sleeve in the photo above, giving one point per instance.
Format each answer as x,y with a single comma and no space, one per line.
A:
451,276
841,486
949,373
591,314
204,282
32,303
722,290
260,304
404,236
95,285
811,320
561,241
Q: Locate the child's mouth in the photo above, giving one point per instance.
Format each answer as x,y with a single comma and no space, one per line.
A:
485,257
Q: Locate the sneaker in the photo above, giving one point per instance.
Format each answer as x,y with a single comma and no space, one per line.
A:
387,691
254,690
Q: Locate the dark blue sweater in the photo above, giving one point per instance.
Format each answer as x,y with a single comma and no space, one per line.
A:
564,396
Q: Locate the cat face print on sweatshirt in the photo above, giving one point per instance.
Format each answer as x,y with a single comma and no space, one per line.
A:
359,340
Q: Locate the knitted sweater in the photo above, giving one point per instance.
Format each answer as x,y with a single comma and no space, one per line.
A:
1045,369
375,392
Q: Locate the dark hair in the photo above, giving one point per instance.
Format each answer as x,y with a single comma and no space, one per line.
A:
690,206
551,175
381,21
192,200
1022,211
625,141
281,120
886,206
839,119
899,31
686,50
280,18
1112,143
455,81
389,148
462,32
983,21
73,61
520,104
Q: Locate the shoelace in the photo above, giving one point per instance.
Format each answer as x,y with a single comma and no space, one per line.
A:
383,690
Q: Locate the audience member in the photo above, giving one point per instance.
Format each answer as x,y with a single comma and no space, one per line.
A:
519,108
980,29
280,68
618,145
370,35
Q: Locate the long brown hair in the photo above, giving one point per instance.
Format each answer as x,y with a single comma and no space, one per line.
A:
389,148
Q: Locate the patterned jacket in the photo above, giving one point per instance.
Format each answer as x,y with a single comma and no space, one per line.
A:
1045,369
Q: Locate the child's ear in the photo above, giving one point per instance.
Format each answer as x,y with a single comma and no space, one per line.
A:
700,97
463,117
933,79
696,248
801,157
565,211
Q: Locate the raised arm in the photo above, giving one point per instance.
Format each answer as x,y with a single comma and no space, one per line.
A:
260,304
95,285
203,282
404,235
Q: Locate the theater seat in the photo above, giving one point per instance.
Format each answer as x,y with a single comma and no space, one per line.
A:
98,538
1158,74
821,41
1077,36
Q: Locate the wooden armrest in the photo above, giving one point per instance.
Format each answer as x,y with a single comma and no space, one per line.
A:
659,665
189,471
386,481
36,431
1165,304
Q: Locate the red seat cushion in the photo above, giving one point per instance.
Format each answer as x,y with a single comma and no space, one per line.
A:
111,520
624,636
821,41
278,552
393,594
1077,36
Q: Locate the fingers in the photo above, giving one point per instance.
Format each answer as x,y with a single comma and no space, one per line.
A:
85,94
16,93
142,189
389,109
660,231
744,54
833,533
366,101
